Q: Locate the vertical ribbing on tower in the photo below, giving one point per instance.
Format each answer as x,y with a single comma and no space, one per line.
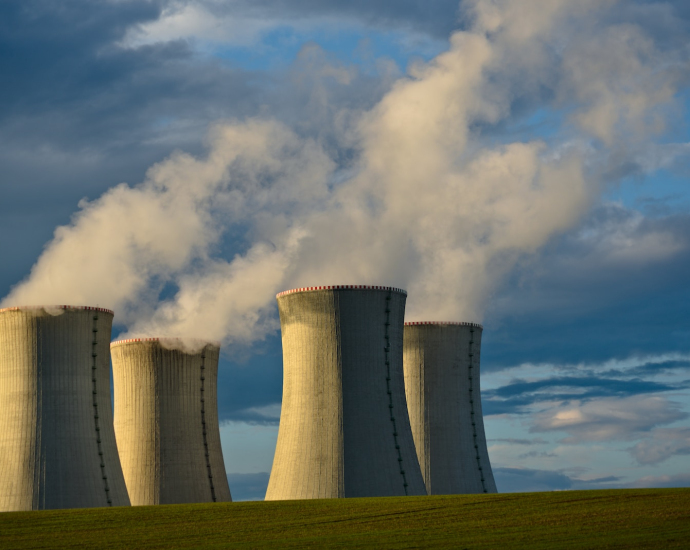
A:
166,421
442,383
57,443
344,429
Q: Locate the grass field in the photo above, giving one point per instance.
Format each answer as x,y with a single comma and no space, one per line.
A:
648,518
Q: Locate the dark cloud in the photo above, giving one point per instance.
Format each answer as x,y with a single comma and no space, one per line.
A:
664,20
538,454
526,480
650,368
667,21
591,387
512,441
614,287
248,486
608,419
68,83
519,480
438,18
78,113
248,384
661,445
514,397
676,480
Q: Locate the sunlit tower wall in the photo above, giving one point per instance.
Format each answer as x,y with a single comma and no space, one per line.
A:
441,364
344,429
57,444
166,421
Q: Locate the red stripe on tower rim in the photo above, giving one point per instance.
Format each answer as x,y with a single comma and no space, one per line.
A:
452,323
80,308
342,287
158,339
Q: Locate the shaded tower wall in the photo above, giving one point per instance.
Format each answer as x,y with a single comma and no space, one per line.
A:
441,362
166,422
57,444
344,429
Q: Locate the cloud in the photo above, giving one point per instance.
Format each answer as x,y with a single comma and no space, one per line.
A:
83,88
525,480
607,419
245,22
520,396
130,237
600,284
268,415
653,368
619,91
662,445
426,203
612,245
512,441
572,387
675,480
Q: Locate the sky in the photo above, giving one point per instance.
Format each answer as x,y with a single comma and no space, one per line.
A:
522,164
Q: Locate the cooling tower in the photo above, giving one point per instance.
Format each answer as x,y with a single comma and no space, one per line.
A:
166,421
344,429
57,444
441,362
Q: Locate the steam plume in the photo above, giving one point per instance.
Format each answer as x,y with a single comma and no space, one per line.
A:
440,203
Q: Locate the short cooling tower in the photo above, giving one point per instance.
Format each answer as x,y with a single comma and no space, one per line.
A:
166,421
344,429
441,363
57,444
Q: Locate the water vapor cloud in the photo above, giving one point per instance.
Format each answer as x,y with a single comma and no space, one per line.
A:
439,200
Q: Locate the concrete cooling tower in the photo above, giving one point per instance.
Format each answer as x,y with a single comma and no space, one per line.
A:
166,421
57,444
344,429
441,362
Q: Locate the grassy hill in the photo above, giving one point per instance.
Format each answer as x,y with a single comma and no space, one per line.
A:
650,518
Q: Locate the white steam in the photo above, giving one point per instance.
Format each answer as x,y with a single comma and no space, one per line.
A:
441,202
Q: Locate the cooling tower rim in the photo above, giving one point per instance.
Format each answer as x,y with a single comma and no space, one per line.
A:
342,287
80,308
452,323
171,339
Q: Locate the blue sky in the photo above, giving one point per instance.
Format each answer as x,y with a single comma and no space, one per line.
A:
533,178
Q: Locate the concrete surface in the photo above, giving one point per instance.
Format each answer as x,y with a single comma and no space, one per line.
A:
344,429
441,363
166,422
57,444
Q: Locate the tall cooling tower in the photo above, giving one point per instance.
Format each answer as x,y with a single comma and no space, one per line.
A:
344,429
166,421
441,362
57,444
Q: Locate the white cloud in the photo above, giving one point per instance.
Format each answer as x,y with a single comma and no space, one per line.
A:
661,445
616,367
182,20
210,28
607,419
623,241
431,205
663,156
674,480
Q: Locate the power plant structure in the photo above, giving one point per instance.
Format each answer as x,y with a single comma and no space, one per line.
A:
166,421
344,427
57,444
441,365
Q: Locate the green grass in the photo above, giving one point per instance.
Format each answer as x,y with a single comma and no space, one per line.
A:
649,518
